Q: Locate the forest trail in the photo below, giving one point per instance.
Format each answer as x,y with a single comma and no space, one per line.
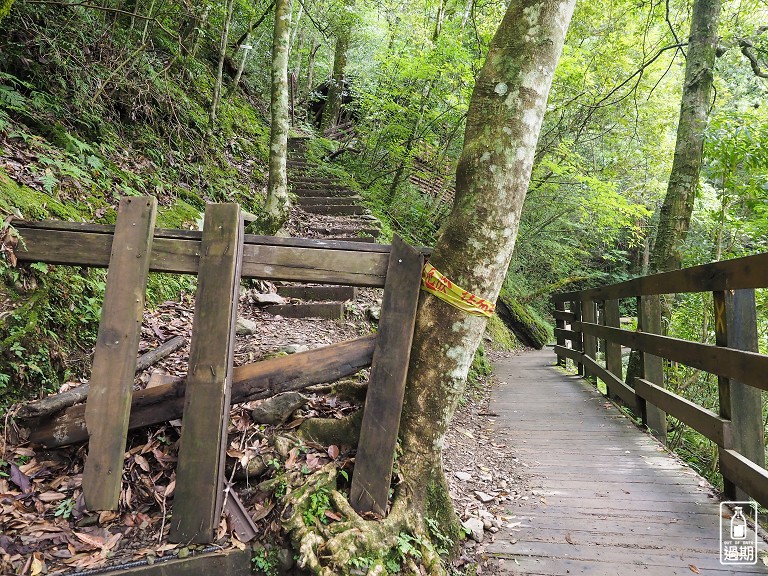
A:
608,499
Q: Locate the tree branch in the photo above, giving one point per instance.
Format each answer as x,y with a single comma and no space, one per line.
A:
253,26
746,49
105,9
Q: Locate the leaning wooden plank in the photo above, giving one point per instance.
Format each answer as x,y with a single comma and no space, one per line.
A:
384,401
746,474
700,419
222,563
114,361
249,382
56,402
200,471
612,381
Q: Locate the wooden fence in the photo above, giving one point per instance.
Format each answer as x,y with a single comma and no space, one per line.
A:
221,255
585,317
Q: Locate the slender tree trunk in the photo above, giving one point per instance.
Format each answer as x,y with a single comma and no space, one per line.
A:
245,47
278,203
694,111
438,21
503,125
220,67
336,89
675,217
311,69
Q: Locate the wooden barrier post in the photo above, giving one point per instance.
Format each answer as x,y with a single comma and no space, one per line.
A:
652,367
200,472
736,327
560,339
386,385
114,362
589,314
579,343
611,318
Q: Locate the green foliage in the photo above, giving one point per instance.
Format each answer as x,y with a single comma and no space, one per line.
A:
480,367
501,338
319,502
265,561
64,509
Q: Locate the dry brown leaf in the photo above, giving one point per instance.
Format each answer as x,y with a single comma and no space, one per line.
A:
333,516
569,539
37,566
51,496
694,569
142,462
333,451
90,539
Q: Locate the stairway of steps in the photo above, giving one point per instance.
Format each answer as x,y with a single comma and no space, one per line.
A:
325,209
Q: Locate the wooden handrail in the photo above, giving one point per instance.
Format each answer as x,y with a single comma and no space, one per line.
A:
739,273
733,360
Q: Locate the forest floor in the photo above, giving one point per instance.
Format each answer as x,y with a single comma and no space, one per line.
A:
47,526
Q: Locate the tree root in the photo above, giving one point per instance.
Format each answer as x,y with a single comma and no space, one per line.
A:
353,545
329,431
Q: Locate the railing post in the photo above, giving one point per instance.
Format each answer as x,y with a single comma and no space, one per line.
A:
652,367
736,327
577,344
611,318
560,324
590,342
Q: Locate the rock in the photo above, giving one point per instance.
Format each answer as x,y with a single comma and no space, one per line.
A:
293,348
278,409
463,476
483,497
475,527
486,524
264,299
374,312
246,326
285,560
283,445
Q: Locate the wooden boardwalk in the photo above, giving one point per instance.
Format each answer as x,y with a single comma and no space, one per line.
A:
608,499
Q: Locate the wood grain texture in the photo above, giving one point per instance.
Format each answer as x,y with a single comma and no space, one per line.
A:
652,366
700,419
200,471
750,477
250,382
384,401
613,361
224,563
114,363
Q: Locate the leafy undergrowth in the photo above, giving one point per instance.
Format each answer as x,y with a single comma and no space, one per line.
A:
74,138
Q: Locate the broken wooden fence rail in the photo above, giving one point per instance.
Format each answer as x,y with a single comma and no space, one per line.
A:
737,427
221,255
255,381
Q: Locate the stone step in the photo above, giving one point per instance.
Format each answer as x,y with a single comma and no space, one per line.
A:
370,239
315,180
336,231
330,310
332,293
344,210
327,200
314,192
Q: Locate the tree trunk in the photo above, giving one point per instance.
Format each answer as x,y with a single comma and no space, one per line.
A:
310,70
675,217
503,124
336,89
694,110
220,67
278,203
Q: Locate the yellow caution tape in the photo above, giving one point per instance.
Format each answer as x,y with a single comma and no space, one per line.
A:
436,283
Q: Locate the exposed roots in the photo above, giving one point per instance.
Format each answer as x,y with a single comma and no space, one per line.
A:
353,545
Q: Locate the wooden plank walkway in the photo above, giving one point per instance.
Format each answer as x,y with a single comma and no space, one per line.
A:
607,498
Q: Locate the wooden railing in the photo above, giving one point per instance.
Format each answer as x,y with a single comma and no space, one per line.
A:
586,317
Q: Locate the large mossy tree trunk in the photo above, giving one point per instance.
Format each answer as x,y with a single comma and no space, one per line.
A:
675,217
277,205
503,123
695,104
